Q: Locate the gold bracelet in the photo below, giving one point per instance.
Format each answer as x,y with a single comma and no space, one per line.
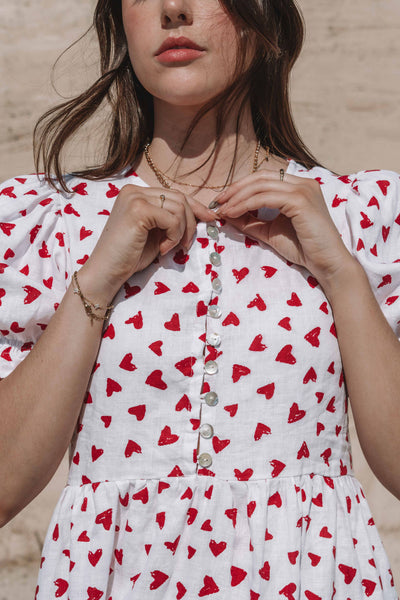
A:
89,306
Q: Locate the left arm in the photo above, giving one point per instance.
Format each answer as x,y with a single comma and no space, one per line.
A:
305,234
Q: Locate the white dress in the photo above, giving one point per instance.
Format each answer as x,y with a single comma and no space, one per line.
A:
212,456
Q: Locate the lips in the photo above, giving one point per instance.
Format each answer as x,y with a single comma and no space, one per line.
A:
180,42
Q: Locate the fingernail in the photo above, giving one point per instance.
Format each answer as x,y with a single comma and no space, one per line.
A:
213,205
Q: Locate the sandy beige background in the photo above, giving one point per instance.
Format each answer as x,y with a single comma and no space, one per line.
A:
346,100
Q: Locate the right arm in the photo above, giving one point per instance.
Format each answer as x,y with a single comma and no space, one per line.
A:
41,399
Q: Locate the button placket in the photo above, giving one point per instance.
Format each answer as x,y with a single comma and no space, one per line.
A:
213,338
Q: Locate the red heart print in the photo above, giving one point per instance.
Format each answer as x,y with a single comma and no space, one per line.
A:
201,309
258,302
384,185
132,447
285,323
314,559
294,300
239,371
192,514
83,537
251,508
163,485
269,271
285,355
9,254
112,387
265,571
209,587
180,257
261,429
136,320
217,548
303,451
154,379
369,587
125,500
56,533
184,402
231,319
288,591
31,294
190,288
310,376
240,274
348,572
119,555
257,345
231,409
96,453
161,288
218,444
366,221
84,233
127,364
139,411
231,513
191,551
337,201
158,579
331,405
320,427
267,390
173,324
325,533
374,202
166,437
237,575
293,557
385,233
204,242
15,328
24,270
94,593
160,519
131,290
277,467
105,519
311,596
61,586
312,337
113,191
185,366
295,414
142,495
156,347
44,252
181,590
69,210
243,475
80,189
82,260
187,494
9,191
206,526
208,493
94,557
7,228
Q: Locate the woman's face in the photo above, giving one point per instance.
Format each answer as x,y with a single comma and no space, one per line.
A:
180,77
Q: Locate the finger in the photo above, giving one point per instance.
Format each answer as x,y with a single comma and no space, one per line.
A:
266,175
262,189
274,200
172,225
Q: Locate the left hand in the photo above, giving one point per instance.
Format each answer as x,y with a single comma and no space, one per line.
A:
303,232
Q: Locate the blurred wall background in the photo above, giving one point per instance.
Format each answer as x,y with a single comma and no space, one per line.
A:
346,101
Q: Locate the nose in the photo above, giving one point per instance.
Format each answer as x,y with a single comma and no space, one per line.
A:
176,12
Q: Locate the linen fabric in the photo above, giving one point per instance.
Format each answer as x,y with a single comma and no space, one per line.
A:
175,493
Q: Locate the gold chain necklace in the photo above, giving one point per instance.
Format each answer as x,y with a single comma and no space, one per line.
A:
162,178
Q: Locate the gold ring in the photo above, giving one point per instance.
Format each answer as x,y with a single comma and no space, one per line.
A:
162,198
282,174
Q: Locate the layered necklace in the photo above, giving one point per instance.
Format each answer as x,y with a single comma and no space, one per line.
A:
164,179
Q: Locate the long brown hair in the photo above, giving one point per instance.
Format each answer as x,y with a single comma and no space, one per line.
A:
274,26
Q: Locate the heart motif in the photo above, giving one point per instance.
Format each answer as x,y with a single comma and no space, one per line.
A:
94,594
204,242
288,591
173,324
385,233
325,533
237,575
251,508
9,254
119,555
231,513
243,475
311,596
180,257
277,467
231,319
261,429
113,191
369,587
231,409
217,549
172,545
190,288
293,557
132,447
239,371
320,427
160,519
80,189
258,302
105,519
158,579
69,210
142,495
61,586
136,320
167,437
7,228
257,345
267,390
294,300
201,309
295,414
125,500
218,444
310,376
209,587
31,294
240,274
156,347
366,221
131,290
303,451
44,252
83,537
126,363
312,337
154,379
185,366
84,233
112,387
286,356
265,571
94,557
188,493
285,323
139,411
161,288
96,453
314,559
184,402
383,185
348,572
206,526
191,551
269,271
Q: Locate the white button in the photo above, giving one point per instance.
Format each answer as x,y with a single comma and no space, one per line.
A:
214,311
211,398
205,460
216,285
215,258
206,431
214,339
211,367
212,231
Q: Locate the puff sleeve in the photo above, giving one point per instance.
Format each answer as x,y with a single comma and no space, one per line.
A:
34,265
366,209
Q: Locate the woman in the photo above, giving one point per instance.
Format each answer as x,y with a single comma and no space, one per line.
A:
214,337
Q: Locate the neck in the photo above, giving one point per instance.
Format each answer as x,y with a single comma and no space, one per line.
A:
170,126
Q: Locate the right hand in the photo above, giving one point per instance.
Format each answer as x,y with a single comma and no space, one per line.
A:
137,230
